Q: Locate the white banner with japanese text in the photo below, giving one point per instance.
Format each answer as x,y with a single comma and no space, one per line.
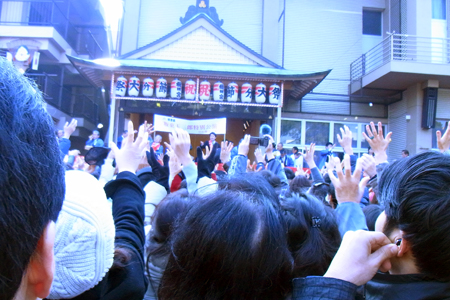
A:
204,126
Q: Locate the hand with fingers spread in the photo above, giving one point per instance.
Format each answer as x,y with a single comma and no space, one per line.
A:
348,186
443,141
360,256
269,149
332,163
244,146
70,128
308,156
377,141
250,167
225,154
175,166
130,154
180,143
206,164
346,140
259,156
300,172
161,172
369,165
150,129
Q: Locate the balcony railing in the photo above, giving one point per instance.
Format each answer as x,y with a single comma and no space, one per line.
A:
55,14
401,47
62,98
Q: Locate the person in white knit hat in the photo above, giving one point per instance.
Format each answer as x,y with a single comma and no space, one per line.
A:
90,262
85,232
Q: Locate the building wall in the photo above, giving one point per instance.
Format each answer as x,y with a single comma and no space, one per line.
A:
243,20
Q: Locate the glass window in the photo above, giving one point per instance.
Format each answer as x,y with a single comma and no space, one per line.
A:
317,132
372,22
364,143
291,132
440,125
439,10
353,128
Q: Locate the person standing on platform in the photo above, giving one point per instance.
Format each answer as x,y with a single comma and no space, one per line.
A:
325,153
156,145
94,141
211,142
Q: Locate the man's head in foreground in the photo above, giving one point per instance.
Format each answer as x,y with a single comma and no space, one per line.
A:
31,188
416,197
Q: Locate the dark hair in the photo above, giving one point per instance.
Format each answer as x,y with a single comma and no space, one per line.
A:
283,151
300,184
289,173
163,221
229,245
328,143
226,166
372,212
213,133
295,148
313,234
406,152
320,191
416,200
31,175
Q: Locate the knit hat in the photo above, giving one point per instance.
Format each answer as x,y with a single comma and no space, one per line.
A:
85,232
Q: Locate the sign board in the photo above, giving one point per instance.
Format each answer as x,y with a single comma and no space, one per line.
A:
205,126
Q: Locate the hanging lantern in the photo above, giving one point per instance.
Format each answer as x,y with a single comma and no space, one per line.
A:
260,93
189,89
246,92
147,87
205,90
175,89
232,92
134,85
121,86
219,91
161,88
274,93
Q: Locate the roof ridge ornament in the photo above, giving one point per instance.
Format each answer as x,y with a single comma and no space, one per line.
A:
202,7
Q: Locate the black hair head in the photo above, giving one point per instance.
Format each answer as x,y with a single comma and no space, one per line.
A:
416,198
313,234
300,184
229,245
213,133
289,173
328,143
31,174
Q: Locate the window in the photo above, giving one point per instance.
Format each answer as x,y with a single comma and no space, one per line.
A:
317,132
439,10
291,132
371,22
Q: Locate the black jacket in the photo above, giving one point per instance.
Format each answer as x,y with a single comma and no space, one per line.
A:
128,283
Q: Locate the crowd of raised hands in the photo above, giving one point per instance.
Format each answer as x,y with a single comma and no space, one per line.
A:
356,259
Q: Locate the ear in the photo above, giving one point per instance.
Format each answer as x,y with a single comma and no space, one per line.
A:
40,271
404,247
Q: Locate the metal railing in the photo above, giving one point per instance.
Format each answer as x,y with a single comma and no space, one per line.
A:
54,13
401,47
62,98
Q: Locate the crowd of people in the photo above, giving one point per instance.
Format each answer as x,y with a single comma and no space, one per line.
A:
152,226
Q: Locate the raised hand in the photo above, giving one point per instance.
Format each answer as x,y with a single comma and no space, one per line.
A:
369,165
175,166
180,143
161,172
205,166
308,156
259,156
443,141
244,146
377,141
70,128
129,156
346,140
225,153
348,187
